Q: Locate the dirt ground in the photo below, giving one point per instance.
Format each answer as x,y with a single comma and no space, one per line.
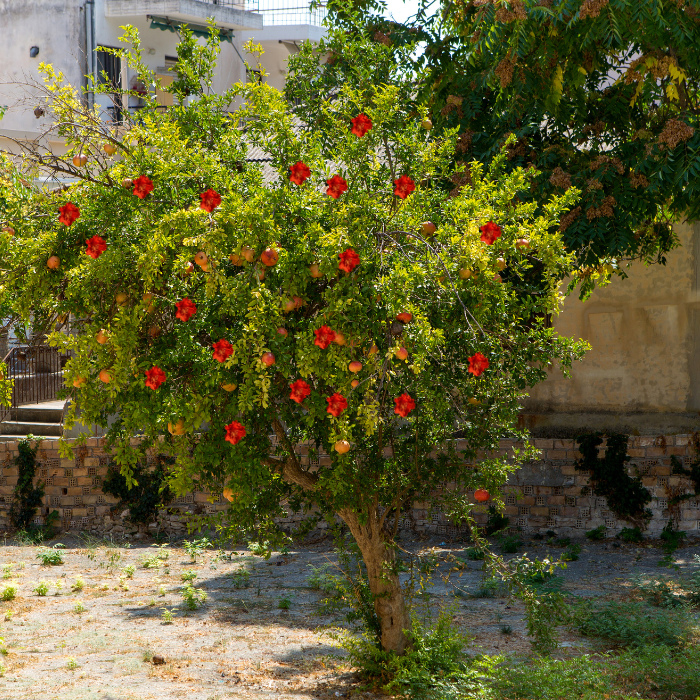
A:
99,643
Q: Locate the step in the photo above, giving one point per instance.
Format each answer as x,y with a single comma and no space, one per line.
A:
46,412
22,428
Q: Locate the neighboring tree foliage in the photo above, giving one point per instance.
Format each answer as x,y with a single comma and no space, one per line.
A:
27,497
602,95
348,300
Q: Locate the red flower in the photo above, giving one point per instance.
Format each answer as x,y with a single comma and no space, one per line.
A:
69,213
336,186
478,364
235,432
185,309
154,377
361,124
349,260
95,247
324,337
210,200
404,186
222,350
336,404
142,186
300,390
299,172
404,404
490,232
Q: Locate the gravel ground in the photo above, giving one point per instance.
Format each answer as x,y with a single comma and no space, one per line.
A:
100,642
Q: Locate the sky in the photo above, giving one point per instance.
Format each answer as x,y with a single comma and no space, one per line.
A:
399,10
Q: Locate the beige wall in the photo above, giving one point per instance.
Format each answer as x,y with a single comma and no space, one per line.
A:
642,373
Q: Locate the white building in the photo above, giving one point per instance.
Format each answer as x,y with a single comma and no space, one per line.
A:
71,33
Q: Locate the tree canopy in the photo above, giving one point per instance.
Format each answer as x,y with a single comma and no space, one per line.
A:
343,298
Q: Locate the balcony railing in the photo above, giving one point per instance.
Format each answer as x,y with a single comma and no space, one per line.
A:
276,12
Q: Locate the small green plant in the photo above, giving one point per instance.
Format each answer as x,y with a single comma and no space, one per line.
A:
161,591
27,495
193,597
489,588
284,603
597,533
260,549
196,548
152,561
563,541
168,616
661,593
129,570
41,588
475,553
9,593
162,552
8,615
496,521
671,538
506,629
50,557
320,579
7,570
241,578
572,552
631,535
78,586
188,575
509,544
79,607
72,664
59,587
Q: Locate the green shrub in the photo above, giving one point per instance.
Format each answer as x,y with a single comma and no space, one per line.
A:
193,597
241,578
671,538
632,624
129,570
9,593
631,534
27,497
597,533
572,552
661,593
284,603
509,544
78,586
50,557
496,521
41,588
489,588
475,553
188,575
320,579
692,583
196,548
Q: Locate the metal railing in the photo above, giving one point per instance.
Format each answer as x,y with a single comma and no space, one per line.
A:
285,12
37,371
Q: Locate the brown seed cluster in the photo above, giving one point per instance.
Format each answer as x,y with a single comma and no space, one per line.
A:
504,71
382,38
517,12
638,180
593,184
603,160
605,209
464,142
674,132
591,8
569,219
560,178
460,180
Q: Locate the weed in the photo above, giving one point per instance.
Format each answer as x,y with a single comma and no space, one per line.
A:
79,607
161,591
152,561
72,664
241,578
661,593
59,587
163,553
8,615
196,548
631,534
489,588
9,593
168,616
475,553
597,533
188,575
671,539
506,629
572,552
152,603
7,570
320,579
632,624
563,542
129,570
509,544
50,557
284,603
78,586
260,549
193,597
41,588
496,521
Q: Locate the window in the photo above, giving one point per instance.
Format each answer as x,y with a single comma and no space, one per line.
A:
610,524
551,522
95,481
109,69
579,523
558,490
72,482
100,499
69,473
524,510
55,500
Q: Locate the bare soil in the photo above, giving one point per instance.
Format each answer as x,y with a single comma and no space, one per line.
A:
99,643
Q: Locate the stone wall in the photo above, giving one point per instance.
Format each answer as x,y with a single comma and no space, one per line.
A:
543,495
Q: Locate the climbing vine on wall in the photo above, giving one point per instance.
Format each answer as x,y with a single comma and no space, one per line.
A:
626,496
692,472
27,497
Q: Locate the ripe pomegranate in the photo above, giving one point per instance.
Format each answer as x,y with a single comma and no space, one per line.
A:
228,494
53,262
283,332
522,244
428,228
481,495
501,263
177,428
339,338
8,231
373,350
110,149
154,331
228,387
427,124
465,273
401,353
341,447
248,253
80,161
127,183
121,298
355,383
355,366
298,302
102,337
268,359
288,305
105,376
315,271
201,258
79,381
404,317
269,257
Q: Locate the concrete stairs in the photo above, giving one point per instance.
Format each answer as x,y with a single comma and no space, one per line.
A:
43,420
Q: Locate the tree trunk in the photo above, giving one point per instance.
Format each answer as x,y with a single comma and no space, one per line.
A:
389,602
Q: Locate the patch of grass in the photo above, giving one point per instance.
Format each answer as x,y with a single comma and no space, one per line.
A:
662,593
284,603
72,664
152,561
78,586
597,533
489,588
632,624
474,553
196,548
510,544
572,552
7,570
320,579
79,607
631,534
168,616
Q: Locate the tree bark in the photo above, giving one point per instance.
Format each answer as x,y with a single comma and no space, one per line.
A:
389,601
